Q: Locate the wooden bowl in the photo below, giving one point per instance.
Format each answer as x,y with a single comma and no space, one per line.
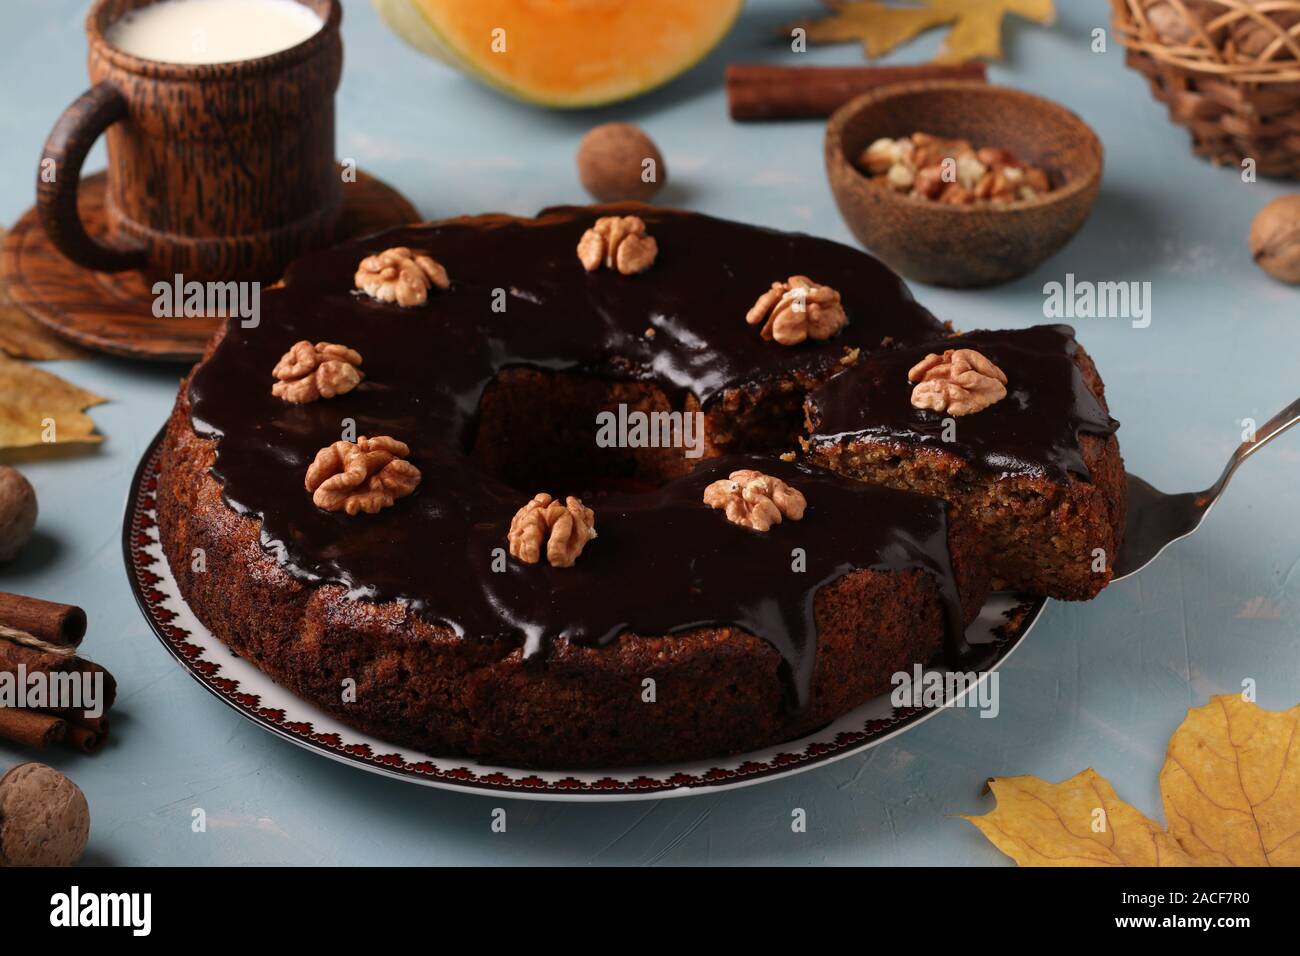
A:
964,246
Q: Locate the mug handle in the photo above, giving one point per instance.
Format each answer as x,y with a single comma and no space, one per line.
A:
56,199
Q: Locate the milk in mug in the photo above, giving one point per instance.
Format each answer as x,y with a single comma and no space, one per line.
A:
213,31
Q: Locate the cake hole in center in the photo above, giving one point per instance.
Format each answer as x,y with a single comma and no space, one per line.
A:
569,433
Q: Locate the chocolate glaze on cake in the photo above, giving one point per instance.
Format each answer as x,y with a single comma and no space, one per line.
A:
663,561
1033,431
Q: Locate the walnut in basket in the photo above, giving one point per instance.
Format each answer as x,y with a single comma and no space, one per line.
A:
1228,71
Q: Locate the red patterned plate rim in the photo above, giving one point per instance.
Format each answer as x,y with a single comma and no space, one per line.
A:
296,720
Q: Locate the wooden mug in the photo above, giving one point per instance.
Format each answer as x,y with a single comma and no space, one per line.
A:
215,171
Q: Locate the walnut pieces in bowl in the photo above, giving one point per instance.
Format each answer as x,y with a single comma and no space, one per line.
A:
951,170
961,242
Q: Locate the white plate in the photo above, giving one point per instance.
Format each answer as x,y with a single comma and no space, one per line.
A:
1004,620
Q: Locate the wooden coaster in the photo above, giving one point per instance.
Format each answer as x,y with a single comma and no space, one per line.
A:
113,311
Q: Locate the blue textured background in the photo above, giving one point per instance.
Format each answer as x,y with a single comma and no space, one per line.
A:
1100,685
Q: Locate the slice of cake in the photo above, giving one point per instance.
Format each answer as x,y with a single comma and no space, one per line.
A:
1021,444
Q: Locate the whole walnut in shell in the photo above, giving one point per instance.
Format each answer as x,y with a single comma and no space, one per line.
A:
17,512
1275,238
1251,37
44,818
1179,27
619,161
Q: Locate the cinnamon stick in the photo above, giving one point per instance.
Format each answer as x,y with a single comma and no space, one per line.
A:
87,737
33,661
110,684
70,727
31,728
72,716
97,724
759,92
63,625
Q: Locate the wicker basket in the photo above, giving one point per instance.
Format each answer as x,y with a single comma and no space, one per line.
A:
1228,70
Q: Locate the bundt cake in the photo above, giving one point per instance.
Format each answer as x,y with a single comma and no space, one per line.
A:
409,516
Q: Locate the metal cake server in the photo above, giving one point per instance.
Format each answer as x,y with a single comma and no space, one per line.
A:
1156,520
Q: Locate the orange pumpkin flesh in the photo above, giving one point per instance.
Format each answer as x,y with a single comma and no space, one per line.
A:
574,52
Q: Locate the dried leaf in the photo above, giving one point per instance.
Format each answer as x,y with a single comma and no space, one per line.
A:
1231,784
23,337
1231,787
1078,822
36,405
976,30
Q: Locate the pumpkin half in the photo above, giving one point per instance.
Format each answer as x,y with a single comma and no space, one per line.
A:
565,53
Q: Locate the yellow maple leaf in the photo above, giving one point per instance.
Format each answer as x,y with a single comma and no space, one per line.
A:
1078,822
37,408
1231,788
976,24
1231,784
